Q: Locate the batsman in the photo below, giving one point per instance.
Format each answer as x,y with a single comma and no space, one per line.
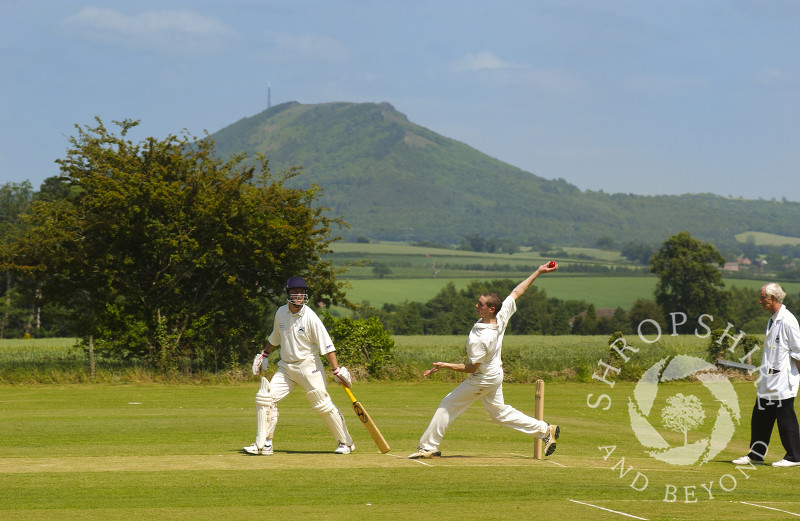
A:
485,380
302,339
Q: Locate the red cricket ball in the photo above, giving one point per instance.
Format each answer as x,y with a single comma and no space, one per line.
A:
551,264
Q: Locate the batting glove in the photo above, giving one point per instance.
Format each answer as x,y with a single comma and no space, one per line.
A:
258,362
342,376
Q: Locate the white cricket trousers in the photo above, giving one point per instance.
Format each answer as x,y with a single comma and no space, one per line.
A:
490,392
310,375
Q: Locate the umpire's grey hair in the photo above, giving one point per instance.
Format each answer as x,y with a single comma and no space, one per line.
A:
773,289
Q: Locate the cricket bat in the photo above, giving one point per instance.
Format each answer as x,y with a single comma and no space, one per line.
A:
377,437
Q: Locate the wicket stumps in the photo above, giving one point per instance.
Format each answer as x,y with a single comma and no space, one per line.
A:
539,415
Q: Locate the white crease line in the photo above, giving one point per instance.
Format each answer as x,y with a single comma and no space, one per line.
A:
608,509
770,508
531,457
421,462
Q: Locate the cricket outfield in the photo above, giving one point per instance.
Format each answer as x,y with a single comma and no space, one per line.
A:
156,451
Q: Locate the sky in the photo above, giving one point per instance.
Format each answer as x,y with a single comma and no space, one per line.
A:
649,97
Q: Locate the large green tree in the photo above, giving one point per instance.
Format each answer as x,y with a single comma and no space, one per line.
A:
643,312
169,255
16,301
690,281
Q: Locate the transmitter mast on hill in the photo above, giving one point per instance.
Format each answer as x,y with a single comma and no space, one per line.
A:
269,95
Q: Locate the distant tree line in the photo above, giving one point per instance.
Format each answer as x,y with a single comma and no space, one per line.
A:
637,252
451,312
476,242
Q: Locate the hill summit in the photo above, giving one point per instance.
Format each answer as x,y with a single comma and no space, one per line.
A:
391,179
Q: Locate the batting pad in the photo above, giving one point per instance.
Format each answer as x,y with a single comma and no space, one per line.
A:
320,401
264,405
322,404
264,395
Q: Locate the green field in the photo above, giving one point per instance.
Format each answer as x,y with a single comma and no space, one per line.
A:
412,274
602,291
406,261
526,359
36,349
398,249
767,239
134,452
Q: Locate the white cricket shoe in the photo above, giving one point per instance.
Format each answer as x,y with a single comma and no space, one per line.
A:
786,463
344,448
255,451
425,454
745,460
549,440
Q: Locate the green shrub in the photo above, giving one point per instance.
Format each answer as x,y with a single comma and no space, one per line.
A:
719,346
361,344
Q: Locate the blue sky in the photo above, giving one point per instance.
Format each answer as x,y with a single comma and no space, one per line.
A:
632,96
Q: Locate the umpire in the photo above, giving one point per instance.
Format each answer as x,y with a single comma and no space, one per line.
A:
779,376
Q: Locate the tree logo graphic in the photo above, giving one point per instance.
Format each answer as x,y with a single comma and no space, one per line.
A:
684,414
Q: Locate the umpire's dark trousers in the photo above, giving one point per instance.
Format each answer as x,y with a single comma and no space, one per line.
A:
765,413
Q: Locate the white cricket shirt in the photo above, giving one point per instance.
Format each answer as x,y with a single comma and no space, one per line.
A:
485,341
779,375
300,335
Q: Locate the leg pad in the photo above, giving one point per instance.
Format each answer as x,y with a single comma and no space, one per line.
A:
322,404
264,413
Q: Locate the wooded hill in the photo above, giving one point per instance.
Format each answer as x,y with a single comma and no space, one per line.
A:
394,180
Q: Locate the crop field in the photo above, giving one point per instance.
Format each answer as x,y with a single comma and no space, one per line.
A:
398,248
768,239
526,359
36,349
603,292
151,451
407,261
419,273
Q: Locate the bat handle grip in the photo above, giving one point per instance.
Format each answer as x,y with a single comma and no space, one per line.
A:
350,394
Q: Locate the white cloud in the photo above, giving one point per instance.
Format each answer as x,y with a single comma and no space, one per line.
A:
170,31
303,47
483,60
776,78
510,73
